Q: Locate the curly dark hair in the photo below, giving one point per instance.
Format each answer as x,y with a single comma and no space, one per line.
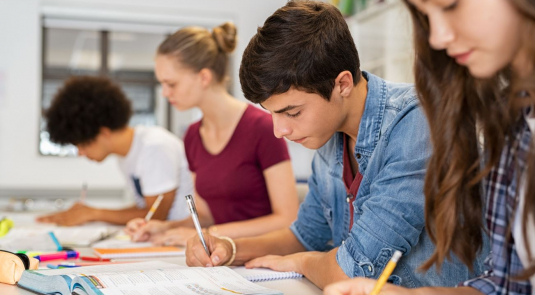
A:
82,106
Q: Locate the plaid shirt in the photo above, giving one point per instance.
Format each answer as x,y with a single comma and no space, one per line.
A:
501,201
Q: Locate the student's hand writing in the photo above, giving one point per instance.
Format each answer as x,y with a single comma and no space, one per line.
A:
133,226
175,237
291,262
196,255
77,214
363,286
141,231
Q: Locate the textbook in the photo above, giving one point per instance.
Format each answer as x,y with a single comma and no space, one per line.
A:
153,277
144,252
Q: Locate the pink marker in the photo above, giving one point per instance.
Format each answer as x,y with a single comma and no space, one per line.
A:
57,256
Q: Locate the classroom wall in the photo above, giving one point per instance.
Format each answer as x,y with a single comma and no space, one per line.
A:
21,166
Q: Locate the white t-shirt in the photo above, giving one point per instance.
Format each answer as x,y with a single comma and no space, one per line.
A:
517,227
155,164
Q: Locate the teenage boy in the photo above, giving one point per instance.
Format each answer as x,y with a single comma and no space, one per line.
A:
93,113
366,189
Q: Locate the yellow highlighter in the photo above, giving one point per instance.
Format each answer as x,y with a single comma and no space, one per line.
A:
5,226
386,273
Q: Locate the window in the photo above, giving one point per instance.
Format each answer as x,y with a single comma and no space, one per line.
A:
125,57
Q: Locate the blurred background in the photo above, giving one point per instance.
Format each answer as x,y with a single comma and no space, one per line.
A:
43,42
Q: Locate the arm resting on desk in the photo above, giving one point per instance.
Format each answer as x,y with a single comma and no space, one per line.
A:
80,213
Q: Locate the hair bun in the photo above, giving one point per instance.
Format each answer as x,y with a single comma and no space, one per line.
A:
225,37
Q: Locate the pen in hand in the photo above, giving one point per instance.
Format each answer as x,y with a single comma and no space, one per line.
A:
195,217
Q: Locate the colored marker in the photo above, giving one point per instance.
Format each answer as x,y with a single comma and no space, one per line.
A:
57,256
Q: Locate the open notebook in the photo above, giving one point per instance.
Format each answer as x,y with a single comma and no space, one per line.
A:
83,236
139,252
264,274
140,278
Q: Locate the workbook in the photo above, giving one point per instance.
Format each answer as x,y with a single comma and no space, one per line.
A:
144,252
140,278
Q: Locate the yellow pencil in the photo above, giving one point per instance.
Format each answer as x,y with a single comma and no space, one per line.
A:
153,208
386,273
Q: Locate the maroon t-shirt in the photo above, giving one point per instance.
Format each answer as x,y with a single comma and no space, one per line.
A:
232,182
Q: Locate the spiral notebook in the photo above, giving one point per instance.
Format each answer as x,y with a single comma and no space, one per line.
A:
139,252
264,274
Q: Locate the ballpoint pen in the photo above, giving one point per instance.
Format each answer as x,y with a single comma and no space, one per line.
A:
195,217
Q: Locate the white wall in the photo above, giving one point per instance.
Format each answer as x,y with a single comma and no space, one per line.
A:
21,166
383,36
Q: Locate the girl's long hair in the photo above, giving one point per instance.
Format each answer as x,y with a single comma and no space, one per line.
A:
469,120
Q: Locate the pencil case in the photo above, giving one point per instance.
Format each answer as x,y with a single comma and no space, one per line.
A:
12,265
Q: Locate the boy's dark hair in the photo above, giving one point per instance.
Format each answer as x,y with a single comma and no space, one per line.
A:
82,106
305,45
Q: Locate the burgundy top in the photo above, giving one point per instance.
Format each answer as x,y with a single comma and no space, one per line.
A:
232,182
352,182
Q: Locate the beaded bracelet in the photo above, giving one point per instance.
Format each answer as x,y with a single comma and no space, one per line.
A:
233,250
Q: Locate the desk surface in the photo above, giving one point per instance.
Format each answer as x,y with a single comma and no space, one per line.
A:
288,287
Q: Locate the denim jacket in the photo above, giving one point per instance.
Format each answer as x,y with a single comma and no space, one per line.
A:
392,151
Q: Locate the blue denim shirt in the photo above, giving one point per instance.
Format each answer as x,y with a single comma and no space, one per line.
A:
392,151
